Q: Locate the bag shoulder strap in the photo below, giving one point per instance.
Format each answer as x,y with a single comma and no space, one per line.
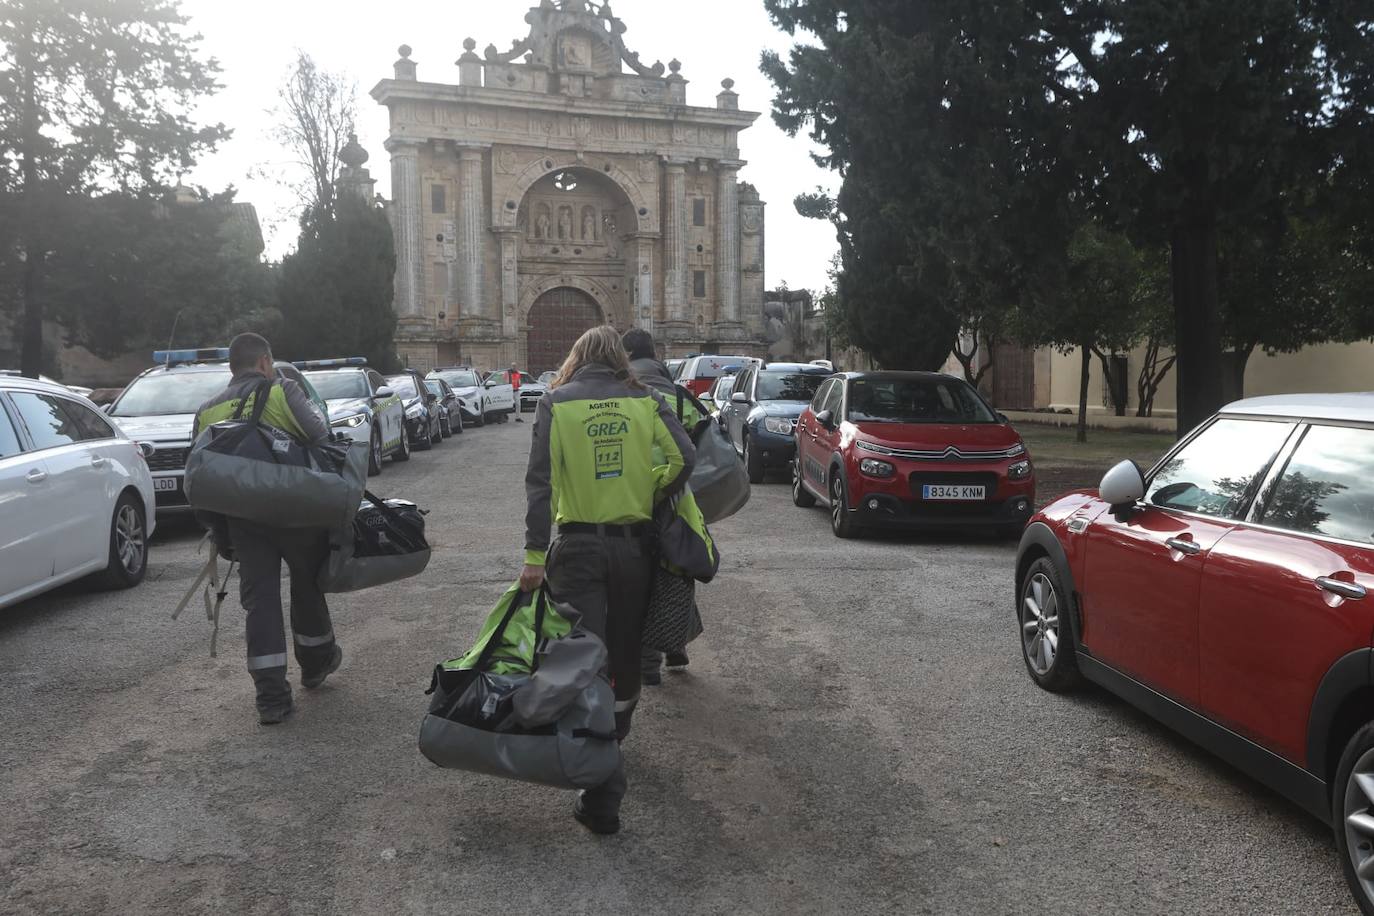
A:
260,393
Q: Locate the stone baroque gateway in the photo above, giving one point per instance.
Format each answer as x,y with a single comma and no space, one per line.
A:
551,173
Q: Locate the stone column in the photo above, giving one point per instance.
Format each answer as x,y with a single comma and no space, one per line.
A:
510,287
727,242
675,270
405,227
470,229
643,315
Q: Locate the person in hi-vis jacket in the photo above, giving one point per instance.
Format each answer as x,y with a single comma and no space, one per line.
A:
592,474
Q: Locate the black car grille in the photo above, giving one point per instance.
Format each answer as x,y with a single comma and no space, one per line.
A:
168,459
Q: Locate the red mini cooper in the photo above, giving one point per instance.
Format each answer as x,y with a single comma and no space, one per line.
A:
1226,593
910,449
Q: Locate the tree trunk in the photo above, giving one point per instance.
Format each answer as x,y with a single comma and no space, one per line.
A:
30,239
1110,380
31,340
1240,359
1197,320
1082,435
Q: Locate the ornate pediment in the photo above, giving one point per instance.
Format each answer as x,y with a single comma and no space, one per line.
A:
575,36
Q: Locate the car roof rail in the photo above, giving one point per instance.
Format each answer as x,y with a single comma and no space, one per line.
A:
183,357
343,362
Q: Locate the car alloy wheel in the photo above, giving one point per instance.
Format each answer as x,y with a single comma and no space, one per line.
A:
841,522
374,456
752,464
130,541
1040,624
403,453
1359,821
1043,614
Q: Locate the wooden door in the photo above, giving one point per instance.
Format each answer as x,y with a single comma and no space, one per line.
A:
557,319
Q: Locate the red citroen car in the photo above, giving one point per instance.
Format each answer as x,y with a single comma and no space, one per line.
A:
910,449
1226,593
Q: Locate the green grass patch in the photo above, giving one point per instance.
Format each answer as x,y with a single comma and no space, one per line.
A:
1061,464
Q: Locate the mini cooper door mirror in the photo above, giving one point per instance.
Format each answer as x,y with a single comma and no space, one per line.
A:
826,418
1123,485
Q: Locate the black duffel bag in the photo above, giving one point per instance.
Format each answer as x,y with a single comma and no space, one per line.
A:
385,543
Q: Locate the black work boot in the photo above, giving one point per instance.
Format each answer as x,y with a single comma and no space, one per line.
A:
314,679
600,824
274,696
678,659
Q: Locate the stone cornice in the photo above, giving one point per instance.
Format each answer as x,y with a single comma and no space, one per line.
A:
390,91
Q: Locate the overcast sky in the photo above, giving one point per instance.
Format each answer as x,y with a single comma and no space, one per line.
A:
255,41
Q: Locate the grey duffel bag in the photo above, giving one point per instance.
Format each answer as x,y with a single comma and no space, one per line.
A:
554,726
719,479
243,468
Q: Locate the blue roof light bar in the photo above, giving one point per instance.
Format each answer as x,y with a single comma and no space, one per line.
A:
330,363
177,357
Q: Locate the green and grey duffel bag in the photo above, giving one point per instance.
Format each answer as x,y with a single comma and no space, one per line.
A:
527,702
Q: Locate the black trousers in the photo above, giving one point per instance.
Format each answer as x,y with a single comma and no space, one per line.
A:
606,579
261,551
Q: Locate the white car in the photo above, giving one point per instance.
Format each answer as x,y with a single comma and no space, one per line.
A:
84,392
472,395
500,387
77,493
719,395
362,406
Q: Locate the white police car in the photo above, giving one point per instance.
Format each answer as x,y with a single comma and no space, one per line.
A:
472,396
159,408
362,406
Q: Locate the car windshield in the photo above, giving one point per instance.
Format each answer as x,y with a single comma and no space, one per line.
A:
167,393
923,400
333,385
716,366
789,386
402,386
460,379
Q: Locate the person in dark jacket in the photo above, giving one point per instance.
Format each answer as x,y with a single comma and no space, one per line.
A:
645,364
261,550
605,451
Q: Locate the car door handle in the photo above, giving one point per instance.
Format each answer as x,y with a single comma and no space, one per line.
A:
36,476
1339,587
98,461
1183,545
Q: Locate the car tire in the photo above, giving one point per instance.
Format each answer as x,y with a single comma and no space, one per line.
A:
481,415
841,519
437,434
374,454
458,417
1043,619
403,453
752,462
446,428
801,496
1352,815
128,557
426,443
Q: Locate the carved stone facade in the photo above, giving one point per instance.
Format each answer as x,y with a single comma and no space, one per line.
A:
551,176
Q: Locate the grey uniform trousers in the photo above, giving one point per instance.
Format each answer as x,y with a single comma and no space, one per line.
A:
606,579
260,551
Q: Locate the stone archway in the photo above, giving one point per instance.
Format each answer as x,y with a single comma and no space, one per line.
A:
556,319
646,217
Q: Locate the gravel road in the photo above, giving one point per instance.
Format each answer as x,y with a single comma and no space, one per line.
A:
856,734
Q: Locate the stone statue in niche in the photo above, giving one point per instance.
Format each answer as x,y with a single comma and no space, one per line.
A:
541,224
565,223
588,224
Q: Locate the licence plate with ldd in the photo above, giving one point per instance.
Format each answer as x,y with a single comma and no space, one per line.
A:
166,484
946,493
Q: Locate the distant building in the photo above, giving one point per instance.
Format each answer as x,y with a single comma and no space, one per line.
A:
550,191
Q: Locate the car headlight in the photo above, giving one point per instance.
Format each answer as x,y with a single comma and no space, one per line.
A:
1016,450
352,421
780,425
1020,470
875,468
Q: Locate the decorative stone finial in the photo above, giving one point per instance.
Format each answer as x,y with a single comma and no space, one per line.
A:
405,67
469,44
353,155
727,84
404,51
675,65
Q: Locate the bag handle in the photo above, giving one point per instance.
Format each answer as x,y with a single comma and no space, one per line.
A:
494,639
261,392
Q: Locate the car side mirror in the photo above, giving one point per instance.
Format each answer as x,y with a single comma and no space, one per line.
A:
383,393
1002,418
739,397
1123,486
826,418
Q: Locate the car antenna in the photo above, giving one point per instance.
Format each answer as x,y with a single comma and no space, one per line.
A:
172,336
